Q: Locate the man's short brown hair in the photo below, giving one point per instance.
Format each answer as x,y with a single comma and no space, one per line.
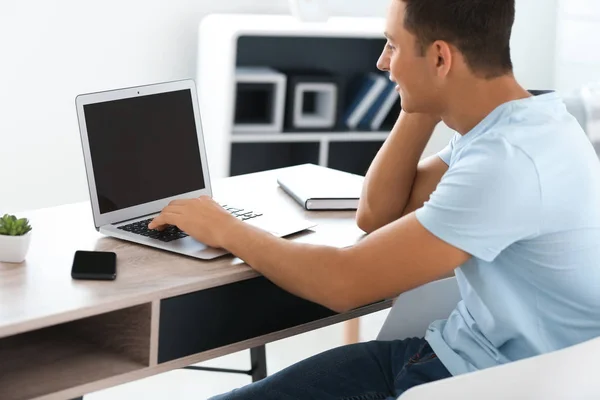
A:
480,29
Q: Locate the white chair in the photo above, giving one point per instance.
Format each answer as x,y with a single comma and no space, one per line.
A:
414,310
570,373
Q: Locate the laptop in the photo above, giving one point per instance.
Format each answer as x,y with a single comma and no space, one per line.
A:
144,147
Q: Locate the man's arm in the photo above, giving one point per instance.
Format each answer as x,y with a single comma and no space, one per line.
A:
399,257
394,259
397,183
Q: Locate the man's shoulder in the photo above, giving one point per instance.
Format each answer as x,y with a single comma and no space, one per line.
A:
520,139
496,149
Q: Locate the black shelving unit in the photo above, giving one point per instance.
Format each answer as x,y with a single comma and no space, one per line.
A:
346,58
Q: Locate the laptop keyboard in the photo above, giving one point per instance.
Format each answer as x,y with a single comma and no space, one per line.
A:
172,232
240,213
169,234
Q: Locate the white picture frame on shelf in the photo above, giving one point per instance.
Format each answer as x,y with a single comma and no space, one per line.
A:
257,79
325,105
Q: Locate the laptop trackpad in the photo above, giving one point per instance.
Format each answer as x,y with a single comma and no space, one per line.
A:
280,227
188,243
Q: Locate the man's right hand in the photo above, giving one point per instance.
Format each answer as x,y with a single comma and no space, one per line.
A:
396,182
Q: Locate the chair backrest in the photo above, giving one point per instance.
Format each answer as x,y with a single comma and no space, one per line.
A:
571,373
539,92
414,310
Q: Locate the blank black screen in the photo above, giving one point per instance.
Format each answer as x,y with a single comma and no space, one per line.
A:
143,149
95,262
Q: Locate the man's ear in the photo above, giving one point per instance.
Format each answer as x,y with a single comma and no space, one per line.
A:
442,57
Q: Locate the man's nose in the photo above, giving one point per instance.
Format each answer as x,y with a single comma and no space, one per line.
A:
383,64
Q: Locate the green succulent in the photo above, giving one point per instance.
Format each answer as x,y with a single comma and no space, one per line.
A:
11,226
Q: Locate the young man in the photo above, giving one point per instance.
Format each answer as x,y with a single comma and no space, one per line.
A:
512,206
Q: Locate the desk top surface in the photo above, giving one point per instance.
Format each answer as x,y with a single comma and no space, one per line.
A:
40,291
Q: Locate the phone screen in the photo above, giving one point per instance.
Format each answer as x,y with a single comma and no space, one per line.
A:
94,265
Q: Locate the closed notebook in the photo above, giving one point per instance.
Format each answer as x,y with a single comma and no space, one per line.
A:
320,188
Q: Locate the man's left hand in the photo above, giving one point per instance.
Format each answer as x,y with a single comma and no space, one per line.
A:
201,218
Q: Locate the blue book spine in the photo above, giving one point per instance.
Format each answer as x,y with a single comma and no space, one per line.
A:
367,83
366,96
366,122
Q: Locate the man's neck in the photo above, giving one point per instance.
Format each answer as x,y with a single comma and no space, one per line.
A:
477,98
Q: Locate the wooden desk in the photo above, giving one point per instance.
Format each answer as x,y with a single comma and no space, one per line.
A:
61,338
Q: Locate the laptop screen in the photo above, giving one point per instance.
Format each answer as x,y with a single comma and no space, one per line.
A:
143,149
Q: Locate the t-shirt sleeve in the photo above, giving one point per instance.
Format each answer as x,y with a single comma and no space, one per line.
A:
489,199
446,153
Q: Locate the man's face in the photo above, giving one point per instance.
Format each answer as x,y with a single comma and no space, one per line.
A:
406,65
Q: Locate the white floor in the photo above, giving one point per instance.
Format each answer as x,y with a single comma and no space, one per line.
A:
186,384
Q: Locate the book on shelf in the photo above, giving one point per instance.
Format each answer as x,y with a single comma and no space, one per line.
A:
369,90
390,100
374,118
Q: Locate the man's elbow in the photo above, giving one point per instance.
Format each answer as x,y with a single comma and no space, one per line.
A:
344,303
340,306
365,222
369,223
342,296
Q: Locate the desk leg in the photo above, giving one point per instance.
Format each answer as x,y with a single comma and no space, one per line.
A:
258,359
258,365
352,331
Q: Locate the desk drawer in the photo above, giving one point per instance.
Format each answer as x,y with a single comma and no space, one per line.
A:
224,315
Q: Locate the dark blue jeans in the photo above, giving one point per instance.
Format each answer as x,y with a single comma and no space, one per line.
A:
364,371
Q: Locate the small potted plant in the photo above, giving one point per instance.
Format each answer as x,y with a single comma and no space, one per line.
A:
15,235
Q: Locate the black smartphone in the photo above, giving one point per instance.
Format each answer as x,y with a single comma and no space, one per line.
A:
94,265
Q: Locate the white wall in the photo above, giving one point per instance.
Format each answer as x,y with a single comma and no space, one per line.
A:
577,56
53,50
534,43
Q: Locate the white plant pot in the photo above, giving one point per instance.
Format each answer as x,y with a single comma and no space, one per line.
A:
13,249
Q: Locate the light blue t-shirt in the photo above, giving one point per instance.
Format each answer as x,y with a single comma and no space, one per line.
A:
522,196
